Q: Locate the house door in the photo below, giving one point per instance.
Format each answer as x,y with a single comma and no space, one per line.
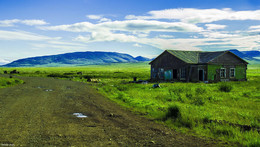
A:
201,75
168,75
174,73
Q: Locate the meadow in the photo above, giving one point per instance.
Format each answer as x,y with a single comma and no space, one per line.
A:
6,82
224,111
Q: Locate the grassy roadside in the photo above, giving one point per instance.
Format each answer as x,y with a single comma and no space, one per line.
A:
6,82
226,111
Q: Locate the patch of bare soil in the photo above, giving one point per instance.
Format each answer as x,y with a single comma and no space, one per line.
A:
43,111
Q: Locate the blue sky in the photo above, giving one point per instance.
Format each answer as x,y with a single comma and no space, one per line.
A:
138,27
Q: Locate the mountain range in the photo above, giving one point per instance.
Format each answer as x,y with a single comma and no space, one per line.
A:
95,58
76,59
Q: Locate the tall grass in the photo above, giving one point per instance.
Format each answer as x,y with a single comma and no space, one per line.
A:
6,82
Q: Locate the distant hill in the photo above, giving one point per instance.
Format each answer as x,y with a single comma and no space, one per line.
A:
76,59
140,58
254,54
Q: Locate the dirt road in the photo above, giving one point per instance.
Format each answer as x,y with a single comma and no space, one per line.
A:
40,112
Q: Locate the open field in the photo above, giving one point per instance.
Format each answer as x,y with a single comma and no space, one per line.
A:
226,111
7,82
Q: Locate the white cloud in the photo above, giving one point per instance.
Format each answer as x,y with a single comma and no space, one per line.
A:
141,29
4,61
144,26
166,36
21,35
215,26
106,36
211,34
8,23
77,27
254,27
98,17
104,19
94,16
137,45
192,15
32,22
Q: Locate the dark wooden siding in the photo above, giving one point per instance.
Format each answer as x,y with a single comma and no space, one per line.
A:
194,72
165,61
227,59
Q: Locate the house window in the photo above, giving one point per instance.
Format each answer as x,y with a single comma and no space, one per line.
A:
222,73
183,73
232,72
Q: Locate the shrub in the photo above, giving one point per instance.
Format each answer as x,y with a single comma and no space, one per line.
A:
122,87
223,131
199,101
189,95
200,90
173,112
186,122
57,75
206,119
224,87
16,81
176,90
37,72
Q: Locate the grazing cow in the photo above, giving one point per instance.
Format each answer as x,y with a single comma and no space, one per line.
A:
14,72
5,72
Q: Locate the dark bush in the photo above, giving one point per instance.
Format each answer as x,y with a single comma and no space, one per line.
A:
199,101
224,87
206,119
68,73
187,123
189,95
37,72
57,75
200,90
173,112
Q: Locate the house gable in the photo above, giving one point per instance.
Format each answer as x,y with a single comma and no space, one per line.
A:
167,60
227,58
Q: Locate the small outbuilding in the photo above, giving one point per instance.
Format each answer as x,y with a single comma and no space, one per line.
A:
195,66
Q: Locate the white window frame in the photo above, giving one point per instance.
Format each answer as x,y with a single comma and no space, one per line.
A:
230,73
224,73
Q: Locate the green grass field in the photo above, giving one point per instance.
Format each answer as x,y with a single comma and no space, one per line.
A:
226,111
6,82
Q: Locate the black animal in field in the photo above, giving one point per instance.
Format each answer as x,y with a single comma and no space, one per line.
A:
14,72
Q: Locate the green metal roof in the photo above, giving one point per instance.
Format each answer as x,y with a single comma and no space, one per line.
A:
195,57
186,56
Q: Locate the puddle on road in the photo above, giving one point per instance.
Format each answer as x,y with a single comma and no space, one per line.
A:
44,88
80,115
48,90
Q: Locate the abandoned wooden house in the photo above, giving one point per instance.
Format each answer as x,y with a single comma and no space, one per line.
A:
194,66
